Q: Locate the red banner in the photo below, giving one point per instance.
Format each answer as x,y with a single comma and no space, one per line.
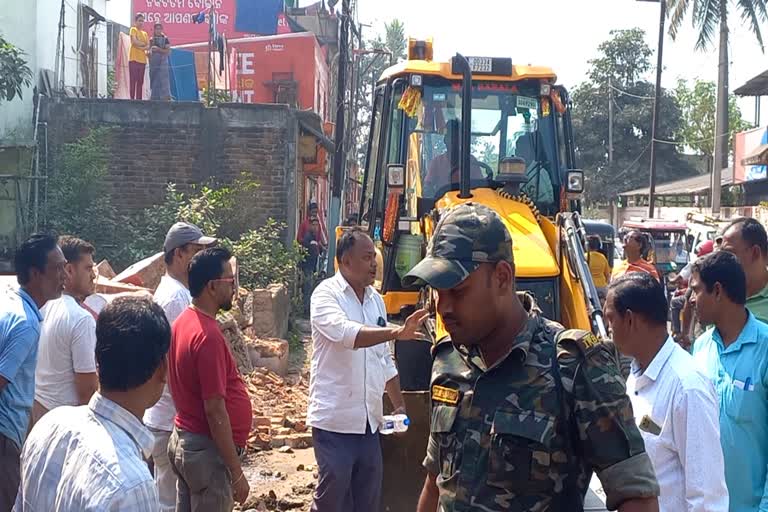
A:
176,17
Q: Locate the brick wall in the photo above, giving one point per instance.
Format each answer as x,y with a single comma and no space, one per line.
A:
153,143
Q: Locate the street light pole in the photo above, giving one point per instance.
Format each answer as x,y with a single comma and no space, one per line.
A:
656,110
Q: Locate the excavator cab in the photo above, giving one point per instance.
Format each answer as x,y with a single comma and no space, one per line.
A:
471,129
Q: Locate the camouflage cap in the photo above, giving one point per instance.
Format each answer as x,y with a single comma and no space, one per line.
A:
468,235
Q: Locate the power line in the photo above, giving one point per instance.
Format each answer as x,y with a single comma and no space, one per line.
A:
620,91
688,143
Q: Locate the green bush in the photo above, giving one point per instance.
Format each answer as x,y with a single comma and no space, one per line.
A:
79,201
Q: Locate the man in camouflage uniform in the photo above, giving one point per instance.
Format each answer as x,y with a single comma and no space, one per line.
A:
522,411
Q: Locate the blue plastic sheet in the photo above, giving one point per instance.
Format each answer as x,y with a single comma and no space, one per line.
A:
183,76
258,16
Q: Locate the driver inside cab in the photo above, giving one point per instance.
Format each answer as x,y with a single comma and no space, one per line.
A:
443,170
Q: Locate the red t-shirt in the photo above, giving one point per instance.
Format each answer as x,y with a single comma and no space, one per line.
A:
200,367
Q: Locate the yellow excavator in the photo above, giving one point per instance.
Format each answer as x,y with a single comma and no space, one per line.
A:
480,129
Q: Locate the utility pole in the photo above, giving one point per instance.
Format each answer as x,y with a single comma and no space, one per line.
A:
722,130
610,123
60,57
339,161
656,108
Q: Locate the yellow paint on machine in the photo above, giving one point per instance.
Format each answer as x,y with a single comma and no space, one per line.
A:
533,254
443,69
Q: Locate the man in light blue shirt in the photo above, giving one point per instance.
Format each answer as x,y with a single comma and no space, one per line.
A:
91,457
734,354
39,265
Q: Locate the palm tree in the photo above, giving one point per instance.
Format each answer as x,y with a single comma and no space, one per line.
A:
707,16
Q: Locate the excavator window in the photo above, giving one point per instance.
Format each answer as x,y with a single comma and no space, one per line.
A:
507,120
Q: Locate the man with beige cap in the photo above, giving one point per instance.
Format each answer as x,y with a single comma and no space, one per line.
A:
183,241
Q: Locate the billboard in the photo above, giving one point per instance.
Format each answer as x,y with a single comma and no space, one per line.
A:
233,18
262,63
745,144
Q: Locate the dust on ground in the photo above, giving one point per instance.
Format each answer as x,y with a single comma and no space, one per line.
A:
282,477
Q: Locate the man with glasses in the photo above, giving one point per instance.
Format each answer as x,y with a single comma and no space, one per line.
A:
635,246
213,410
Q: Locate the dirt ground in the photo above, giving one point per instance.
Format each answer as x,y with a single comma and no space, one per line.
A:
283,478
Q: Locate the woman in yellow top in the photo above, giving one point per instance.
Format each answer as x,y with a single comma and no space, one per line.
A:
598,266
137,60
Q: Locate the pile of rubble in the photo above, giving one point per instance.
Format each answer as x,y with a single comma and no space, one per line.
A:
255,329
279,411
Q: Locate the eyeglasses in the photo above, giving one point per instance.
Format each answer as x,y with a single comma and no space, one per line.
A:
225,279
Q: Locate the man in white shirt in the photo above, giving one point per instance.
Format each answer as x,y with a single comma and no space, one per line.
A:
66,363
92,457
675,405
351,368
182,242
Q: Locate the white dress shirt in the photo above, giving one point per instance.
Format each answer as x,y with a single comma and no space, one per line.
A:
686,455
173,297
346,384
67,346
87,458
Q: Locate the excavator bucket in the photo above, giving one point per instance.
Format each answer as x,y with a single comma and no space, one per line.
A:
403,454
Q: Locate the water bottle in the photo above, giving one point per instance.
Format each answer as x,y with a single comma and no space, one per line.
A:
394,423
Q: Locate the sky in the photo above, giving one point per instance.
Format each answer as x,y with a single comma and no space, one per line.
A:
561,34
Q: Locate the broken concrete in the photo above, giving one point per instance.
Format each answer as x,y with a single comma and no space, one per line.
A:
268,309
271,353
237,342
146,273
105,269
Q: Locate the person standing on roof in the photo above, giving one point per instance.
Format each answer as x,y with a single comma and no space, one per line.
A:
635,246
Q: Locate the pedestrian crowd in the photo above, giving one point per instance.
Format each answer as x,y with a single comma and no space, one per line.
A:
139,406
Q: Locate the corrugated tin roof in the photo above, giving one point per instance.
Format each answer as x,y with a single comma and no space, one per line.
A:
757,86
686,186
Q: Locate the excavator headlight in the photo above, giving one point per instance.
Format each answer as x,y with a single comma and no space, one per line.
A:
575,182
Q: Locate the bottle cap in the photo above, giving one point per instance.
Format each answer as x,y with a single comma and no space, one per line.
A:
407,421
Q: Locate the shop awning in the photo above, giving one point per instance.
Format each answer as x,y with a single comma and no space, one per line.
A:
757,157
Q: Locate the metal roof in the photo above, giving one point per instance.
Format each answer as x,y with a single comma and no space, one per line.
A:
757,86
686,186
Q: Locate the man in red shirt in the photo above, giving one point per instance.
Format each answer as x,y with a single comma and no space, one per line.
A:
213,410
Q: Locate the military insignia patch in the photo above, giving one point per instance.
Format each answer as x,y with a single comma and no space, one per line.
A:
445,395
590,340
585,340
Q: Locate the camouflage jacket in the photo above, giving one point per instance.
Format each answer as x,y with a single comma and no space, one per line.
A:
499,439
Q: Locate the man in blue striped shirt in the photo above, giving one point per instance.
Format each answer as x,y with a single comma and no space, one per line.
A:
92,457
39,265
734,355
